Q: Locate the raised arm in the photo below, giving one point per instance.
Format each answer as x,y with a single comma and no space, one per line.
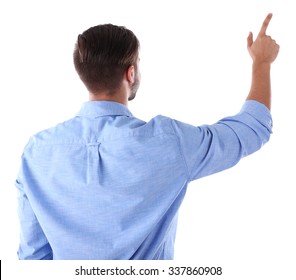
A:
263,51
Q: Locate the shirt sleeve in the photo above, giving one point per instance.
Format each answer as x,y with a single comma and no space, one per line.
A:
208,149
33,243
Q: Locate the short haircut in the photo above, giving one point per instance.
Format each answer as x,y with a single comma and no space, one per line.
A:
102,54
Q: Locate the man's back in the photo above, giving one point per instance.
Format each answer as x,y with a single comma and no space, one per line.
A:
105,185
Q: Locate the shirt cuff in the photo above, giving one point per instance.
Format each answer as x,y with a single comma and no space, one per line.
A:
259,111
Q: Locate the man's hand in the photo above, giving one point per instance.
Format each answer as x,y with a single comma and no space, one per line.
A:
263,51
264,48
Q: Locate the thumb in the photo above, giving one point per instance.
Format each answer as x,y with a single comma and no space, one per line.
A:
250,40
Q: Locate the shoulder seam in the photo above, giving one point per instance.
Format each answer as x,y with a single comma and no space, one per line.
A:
180,149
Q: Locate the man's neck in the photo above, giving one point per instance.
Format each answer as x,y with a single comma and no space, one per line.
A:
119,96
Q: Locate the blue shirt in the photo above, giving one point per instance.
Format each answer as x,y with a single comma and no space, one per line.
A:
106,185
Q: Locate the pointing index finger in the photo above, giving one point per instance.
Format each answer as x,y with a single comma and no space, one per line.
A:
265,24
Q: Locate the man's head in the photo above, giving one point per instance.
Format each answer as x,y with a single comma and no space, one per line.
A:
104,55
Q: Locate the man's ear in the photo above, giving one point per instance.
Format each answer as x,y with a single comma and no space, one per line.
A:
130,74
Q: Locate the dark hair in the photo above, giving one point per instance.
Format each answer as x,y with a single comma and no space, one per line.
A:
102,54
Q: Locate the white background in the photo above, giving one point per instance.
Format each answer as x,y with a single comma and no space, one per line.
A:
195,68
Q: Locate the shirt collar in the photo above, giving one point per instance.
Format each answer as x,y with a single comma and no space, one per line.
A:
103,108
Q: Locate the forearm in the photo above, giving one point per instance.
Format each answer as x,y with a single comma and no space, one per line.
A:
263,51
261,85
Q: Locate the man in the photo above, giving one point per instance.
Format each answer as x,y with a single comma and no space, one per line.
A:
106,185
